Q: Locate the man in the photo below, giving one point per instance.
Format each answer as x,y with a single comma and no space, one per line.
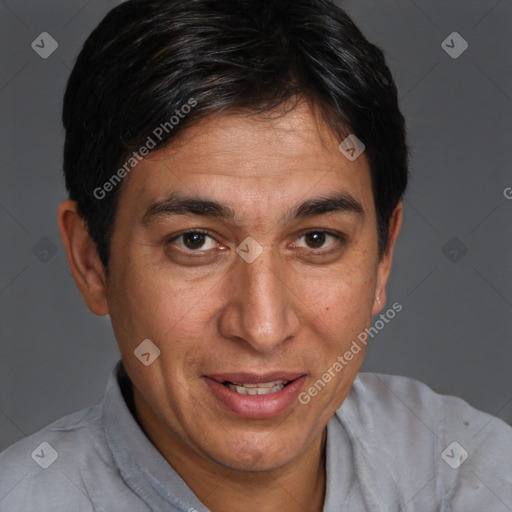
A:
235,173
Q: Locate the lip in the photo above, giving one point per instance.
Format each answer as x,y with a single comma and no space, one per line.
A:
252,378
255,406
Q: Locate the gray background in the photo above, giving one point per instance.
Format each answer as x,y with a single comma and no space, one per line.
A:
454,330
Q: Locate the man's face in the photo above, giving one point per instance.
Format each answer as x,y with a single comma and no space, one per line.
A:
214,313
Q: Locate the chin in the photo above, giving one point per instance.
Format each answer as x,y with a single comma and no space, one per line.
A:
253,457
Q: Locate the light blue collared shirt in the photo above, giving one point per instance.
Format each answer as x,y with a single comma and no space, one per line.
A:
394,445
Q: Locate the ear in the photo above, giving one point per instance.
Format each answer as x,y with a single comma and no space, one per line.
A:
384,266
84,263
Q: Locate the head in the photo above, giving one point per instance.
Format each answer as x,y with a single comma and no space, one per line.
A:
212,211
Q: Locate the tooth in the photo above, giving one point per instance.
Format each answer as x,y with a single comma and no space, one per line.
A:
263,384
255,391
240,389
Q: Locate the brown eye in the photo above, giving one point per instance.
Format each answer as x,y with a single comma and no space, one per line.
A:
193,241
317,239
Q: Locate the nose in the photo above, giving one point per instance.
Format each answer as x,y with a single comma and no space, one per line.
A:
262,308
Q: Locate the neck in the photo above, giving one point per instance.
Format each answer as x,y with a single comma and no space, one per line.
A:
295,487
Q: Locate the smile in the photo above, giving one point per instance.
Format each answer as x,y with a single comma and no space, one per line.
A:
265,388
255,396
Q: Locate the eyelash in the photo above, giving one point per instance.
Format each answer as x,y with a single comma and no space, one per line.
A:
337,235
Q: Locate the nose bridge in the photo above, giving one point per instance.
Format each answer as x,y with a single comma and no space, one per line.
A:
266,316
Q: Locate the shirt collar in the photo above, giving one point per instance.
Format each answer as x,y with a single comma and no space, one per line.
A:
141,465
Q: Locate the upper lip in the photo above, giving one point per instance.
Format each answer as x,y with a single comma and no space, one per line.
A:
253,378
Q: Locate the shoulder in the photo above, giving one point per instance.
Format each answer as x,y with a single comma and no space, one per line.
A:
456,453
44,471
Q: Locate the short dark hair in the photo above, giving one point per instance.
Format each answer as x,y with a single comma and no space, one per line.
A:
147,59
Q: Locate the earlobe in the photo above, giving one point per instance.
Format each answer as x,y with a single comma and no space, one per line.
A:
384,267
83,260
379,300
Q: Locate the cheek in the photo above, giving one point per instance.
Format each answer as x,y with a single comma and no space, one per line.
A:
342,302
169,315
146,303
342,313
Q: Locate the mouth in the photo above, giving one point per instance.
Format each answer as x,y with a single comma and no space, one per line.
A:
256,396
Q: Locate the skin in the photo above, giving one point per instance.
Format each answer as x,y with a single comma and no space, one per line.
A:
288,310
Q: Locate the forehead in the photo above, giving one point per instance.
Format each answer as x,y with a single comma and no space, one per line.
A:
254,163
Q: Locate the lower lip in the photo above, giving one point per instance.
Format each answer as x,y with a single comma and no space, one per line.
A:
256,406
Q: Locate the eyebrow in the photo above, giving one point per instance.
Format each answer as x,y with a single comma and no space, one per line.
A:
177,204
